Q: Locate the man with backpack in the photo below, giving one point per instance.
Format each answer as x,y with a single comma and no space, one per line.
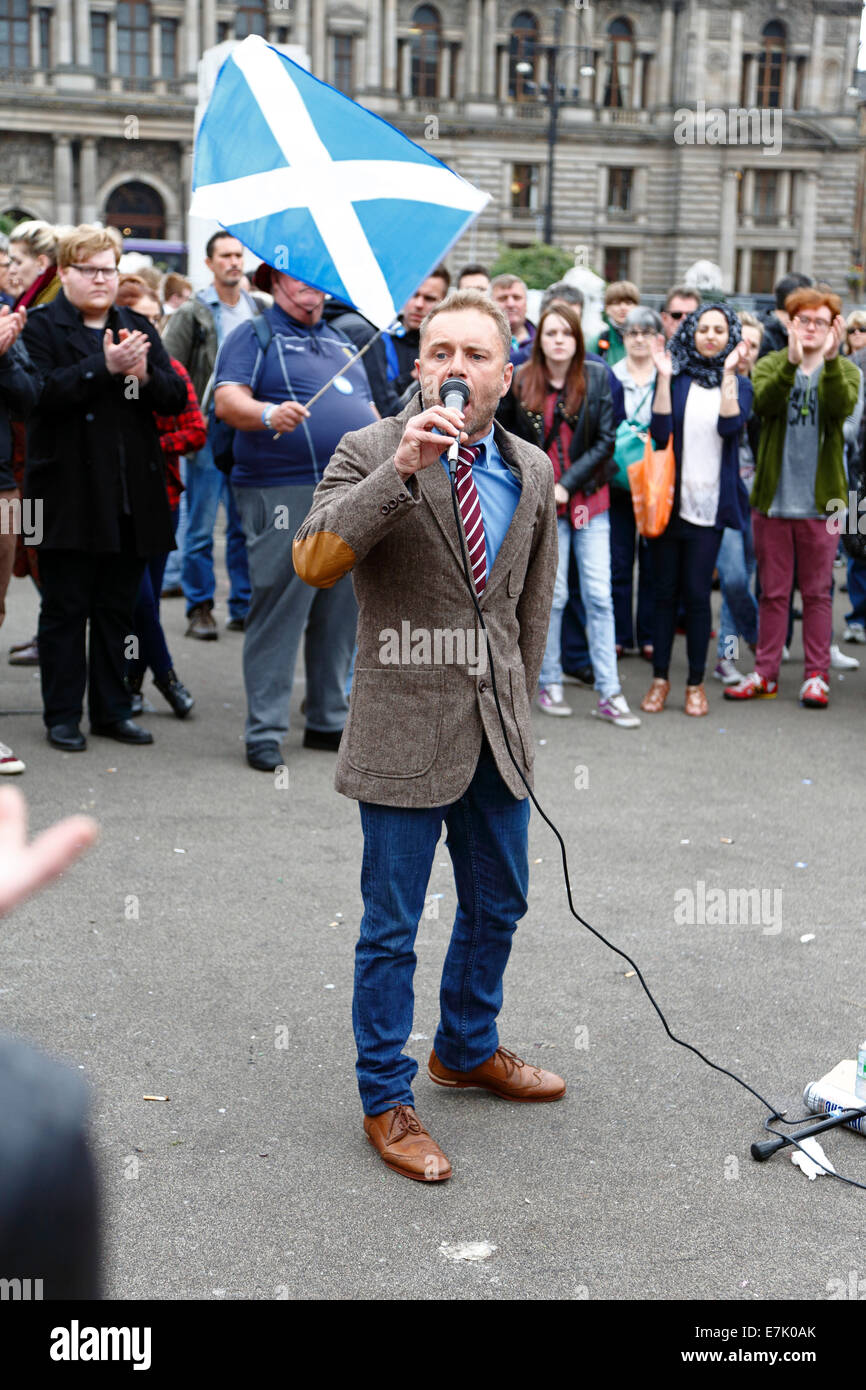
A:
193,335
262,384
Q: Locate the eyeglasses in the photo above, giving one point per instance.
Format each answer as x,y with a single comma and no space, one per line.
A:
638,333
91,272
806,322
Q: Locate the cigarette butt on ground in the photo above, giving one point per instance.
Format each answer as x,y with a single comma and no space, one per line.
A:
156,1098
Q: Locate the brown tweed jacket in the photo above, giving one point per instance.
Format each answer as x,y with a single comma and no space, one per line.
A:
421,693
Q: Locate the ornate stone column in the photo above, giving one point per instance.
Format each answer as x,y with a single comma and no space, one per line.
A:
728,228
63,32
191,40
473,51
63,209
374,45
82,34
488,50
808,222
87,168
389,38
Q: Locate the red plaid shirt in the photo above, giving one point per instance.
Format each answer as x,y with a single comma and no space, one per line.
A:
180,434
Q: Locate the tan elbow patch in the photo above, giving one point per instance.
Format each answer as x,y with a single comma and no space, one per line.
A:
322,559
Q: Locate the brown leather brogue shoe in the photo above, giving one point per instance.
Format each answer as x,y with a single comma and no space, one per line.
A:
402,1142
503,1074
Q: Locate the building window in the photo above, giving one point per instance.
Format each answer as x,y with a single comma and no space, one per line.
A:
766,195
251,18
282,35
133,39
137,211
99,42
619,190
771,65
763,274
616,263
168,47
524,189
344,54
15,32
425,48
224,32
46,54
618,62
523,58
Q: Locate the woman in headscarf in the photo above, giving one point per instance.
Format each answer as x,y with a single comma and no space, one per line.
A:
701,398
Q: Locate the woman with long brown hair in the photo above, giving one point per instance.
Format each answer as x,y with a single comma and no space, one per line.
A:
564,404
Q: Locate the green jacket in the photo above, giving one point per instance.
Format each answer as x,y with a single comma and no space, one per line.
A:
190,335
772,379
615,351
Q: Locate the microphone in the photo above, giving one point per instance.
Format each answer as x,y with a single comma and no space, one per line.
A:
454,395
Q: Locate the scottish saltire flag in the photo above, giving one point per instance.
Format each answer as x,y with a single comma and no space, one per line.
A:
321,188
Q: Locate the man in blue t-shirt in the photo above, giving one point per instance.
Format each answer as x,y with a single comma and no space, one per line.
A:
281,450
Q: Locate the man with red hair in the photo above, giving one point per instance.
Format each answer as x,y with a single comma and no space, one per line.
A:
803,395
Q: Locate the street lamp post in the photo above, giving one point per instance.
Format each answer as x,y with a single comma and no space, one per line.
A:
586,70
553,84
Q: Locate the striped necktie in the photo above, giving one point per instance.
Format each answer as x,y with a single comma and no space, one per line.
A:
470,511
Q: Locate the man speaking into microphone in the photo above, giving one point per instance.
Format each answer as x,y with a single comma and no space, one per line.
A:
423,743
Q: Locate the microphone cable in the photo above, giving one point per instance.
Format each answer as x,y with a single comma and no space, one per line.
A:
775,1115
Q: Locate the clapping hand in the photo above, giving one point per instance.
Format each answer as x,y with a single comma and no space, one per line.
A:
128,356
735,360
11,324
835,338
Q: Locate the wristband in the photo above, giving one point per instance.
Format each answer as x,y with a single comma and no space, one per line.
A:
267,412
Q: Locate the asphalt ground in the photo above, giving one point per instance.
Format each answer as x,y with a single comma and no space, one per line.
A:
204,950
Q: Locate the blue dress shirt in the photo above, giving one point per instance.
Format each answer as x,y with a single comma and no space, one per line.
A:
498,494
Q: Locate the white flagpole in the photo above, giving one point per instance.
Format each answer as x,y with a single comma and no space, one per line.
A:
350,362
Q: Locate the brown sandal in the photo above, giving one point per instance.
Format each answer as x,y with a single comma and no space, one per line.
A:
654,700
696,700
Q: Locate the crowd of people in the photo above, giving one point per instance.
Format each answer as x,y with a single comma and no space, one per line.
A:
132,409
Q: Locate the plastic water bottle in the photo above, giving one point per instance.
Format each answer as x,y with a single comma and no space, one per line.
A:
860,1076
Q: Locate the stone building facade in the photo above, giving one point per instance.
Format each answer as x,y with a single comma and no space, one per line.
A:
684,129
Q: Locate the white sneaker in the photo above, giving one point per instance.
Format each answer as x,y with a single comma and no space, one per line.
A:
855,632
550,700
840,662
616,711
9,764
786,653
726,672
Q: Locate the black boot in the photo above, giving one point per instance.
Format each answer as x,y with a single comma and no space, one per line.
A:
133,683
176,694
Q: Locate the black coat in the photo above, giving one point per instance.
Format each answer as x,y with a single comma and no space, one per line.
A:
593,432
93,451
19,389
775,335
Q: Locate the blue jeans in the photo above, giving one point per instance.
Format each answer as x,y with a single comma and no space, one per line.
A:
591,547
856,592
575,648
487,841
736,565
206,487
